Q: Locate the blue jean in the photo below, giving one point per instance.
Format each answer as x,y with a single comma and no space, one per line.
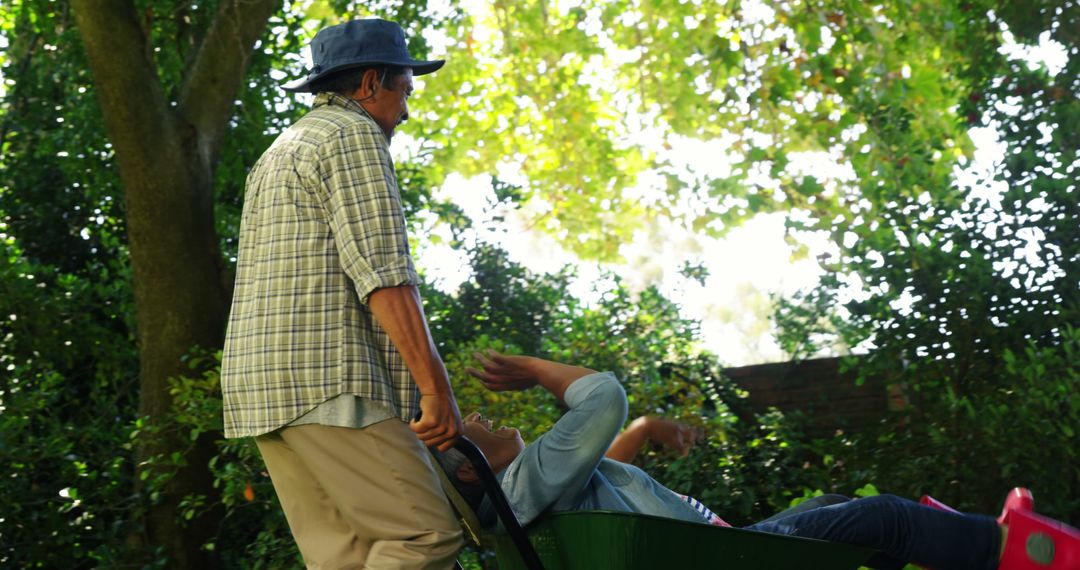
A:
901,530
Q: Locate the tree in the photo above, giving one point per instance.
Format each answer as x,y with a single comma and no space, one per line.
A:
166,149
975,294
187,102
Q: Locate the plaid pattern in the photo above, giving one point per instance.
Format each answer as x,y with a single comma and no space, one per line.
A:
322,228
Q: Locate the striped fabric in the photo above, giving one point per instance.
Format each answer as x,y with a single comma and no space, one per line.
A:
322,228
709,516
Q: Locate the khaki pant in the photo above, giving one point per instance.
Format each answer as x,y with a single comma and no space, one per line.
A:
361,498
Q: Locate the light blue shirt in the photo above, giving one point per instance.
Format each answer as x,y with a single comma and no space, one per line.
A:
346,410
565,469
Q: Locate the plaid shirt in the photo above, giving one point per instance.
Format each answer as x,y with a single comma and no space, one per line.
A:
322,228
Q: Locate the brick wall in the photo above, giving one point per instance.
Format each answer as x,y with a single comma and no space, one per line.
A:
817,388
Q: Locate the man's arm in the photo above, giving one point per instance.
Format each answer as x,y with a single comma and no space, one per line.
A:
399,311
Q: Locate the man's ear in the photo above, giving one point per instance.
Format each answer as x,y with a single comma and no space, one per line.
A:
370,82
466,473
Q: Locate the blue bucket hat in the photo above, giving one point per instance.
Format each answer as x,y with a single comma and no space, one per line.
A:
358,43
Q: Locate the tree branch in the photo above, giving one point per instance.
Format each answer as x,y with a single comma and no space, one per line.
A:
211,85
128,88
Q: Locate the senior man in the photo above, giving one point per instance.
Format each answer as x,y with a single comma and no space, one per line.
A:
328,356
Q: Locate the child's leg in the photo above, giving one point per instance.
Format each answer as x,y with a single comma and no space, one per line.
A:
902,530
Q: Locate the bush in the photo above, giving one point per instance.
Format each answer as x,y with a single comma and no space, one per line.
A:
67,401
969,449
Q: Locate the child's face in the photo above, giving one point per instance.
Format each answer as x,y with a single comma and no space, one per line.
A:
500,446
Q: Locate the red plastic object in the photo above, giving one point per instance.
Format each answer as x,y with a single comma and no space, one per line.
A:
1019,499
1036,542
932,502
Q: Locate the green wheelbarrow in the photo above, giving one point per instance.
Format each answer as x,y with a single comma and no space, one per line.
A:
607,540
598,540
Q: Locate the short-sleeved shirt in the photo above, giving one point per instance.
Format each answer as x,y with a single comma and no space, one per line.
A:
322,228
565,469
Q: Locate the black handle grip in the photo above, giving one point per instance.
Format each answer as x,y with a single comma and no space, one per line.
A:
502,506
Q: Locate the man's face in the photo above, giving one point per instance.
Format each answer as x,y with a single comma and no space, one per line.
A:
500,446
388,106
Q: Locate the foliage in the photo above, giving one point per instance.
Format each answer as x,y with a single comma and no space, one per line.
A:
969,284
66,406
968,449
503,300
253,532
747,468
875,85
59,193
63,221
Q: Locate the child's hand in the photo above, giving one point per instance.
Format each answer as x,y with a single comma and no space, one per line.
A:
502,373
674,435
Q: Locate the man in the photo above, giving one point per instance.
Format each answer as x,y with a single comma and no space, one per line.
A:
565,469
328,356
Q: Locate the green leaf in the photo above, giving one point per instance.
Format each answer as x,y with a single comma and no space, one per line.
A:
809,186
867,490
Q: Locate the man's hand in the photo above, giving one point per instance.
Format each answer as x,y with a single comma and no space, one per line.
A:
502,372
439,425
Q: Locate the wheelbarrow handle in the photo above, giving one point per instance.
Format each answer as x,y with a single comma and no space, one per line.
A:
502,506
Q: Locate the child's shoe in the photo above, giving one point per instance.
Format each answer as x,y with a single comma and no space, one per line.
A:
1019,499
1035,542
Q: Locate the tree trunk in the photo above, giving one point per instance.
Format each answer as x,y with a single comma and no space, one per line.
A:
166,155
